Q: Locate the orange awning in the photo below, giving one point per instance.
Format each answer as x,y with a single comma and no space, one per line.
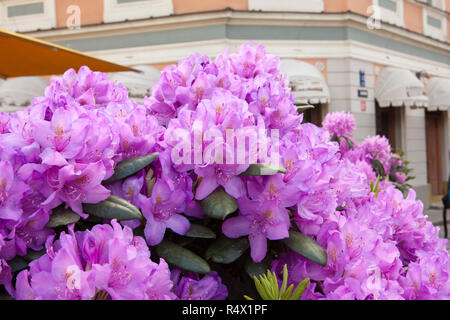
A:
21,55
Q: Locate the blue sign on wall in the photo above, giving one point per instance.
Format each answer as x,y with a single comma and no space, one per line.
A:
362,78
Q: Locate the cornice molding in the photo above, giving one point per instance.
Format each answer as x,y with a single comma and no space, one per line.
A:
231,17
169,53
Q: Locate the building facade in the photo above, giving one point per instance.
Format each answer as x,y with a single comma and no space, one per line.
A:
386,61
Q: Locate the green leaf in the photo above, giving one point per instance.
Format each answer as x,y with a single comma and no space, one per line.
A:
181,257
33,255
307,247
125,203
284,283
267,287
262,169
18,264
61,217
298,292
334,138
129,167
225,250
199,231
349,142
261,290
378,167
113,208
219,204
257,269
288,293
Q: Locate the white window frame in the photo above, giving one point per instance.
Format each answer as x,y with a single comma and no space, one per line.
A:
286,5
114,11
389,16
432,31
440,7
29,22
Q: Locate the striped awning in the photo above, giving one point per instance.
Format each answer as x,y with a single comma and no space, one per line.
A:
399,87
438,91
306,81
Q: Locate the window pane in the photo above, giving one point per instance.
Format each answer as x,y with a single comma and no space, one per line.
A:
25,9
434,22
388,4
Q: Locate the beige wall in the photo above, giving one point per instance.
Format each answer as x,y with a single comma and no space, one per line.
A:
187,6
91,11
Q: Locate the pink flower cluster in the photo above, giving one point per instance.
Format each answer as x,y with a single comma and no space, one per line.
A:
60,150
380,248
103,263
339,124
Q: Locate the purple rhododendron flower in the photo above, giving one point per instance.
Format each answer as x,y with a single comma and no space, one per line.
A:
191,287
340,124
260,220
107,262
61,149
162,211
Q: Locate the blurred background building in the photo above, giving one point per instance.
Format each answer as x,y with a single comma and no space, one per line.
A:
386,61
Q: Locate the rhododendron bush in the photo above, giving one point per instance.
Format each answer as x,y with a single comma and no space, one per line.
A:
212,181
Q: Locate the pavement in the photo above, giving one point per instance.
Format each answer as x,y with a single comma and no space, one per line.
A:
434,214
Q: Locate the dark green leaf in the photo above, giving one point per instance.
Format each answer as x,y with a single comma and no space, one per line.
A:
225,250
349,142
61,217
112,208
125,203
262,169
254,269
378,167
17,264
219,204
33,255
199,231
181,257
129,167
307,247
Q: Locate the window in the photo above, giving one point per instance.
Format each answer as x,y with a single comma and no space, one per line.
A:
388,4
287,5
434,24
27,15
391,11
440,4
121,10
432,21
25,9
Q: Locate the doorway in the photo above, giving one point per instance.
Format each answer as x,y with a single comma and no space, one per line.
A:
434,137
389,124
315,115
